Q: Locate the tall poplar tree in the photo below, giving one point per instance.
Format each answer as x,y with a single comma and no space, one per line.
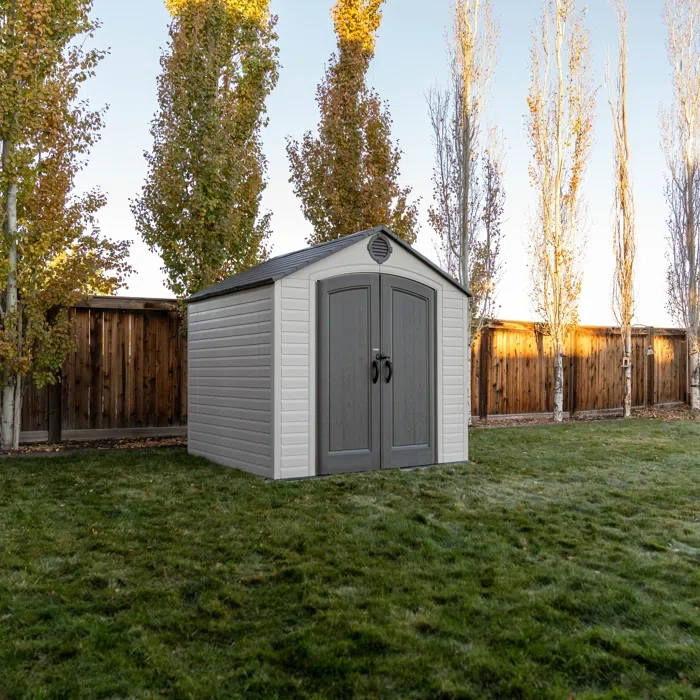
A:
560,118
468,175
624,236
200,206
680,126
347,175
51,251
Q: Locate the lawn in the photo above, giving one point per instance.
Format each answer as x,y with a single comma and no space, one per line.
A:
563,562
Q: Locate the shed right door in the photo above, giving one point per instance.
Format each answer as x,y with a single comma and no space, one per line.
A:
408,390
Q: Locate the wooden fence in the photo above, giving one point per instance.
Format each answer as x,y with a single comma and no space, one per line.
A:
513,364
126,377
128,373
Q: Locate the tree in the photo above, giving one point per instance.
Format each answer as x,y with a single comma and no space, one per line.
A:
681,142
347,176
561,110
456,116
468,191
200,206
624,237
52,252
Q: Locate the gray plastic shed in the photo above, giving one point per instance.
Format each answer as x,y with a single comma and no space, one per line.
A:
346,356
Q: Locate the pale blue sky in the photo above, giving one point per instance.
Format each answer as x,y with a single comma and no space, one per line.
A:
410,57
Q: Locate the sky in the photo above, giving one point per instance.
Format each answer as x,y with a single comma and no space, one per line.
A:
410,58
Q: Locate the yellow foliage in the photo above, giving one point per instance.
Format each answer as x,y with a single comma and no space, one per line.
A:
358,21
255,10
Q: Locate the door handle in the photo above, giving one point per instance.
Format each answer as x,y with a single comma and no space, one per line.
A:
375,366
390,365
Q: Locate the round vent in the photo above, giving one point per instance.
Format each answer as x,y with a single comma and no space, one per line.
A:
379,248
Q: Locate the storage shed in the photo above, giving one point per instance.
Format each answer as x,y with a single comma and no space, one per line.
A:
346,356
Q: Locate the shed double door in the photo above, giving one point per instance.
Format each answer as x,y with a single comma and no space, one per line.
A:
376,388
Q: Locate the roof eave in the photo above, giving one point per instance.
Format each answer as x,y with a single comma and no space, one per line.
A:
202,296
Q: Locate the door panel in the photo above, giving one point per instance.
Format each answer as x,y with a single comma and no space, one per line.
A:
348,401
408,376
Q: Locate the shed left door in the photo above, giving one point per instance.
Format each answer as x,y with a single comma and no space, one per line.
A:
349,393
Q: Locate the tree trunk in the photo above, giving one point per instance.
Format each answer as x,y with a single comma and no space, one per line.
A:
558,387
8,413
8,394
627,388
17,423
695,376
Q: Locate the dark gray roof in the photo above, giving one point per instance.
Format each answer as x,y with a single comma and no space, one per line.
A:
275,269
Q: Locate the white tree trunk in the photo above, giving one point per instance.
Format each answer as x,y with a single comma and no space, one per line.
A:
8,394
17,423
8,413
627,395
695,379
558,387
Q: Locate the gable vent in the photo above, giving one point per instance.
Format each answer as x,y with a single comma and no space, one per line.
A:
379,249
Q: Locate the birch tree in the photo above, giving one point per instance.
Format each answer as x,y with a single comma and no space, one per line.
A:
624,237
681,143
559,121
468,190
51,253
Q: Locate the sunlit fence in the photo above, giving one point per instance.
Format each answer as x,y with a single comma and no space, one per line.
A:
513,369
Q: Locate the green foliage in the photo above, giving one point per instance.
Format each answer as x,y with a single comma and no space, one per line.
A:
347,175
562,562
47,132
200,207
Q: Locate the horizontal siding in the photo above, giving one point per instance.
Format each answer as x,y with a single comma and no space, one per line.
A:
230,343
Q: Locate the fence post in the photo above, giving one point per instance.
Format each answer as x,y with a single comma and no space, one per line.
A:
573,367
55,412
54,393
484,373
651,368
687,393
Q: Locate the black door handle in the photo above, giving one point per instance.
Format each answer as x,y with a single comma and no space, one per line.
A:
390,365
375,378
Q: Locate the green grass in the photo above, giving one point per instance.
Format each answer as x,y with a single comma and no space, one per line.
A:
563,562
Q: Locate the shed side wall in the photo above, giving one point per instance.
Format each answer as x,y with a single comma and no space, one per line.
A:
230,343
295,406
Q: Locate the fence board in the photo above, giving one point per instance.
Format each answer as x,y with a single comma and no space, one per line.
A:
671,353
127,371
520,371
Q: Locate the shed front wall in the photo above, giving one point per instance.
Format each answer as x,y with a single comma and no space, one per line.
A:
295,356
230,345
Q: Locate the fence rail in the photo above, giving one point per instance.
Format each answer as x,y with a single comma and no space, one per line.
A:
128,373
